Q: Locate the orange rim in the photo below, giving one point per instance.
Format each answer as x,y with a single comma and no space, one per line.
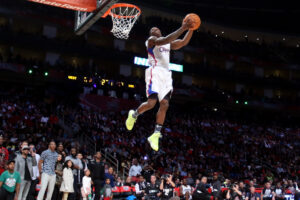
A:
117,5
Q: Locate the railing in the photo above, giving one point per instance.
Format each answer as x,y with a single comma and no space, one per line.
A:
112,160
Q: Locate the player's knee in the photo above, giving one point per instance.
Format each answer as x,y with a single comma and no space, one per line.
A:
164,104
151,103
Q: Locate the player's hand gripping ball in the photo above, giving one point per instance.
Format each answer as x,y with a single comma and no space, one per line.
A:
194,19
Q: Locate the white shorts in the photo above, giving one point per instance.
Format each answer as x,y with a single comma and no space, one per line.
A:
158,80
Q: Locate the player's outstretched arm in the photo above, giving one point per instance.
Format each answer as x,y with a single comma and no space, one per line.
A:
171,37
178,44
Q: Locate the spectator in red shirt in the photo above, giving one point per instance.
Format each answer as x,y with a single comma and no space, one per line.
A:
3,155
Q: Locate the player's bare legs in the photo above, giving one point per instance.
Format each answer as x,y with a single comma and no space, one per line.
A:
133,114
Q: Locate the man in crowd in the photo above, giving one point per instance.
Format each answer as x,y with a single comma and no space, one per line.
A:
3,155
24,165
152,189
77,165
216,190
36,174
252,195
140,188
243,189
97,168
167,187
201,192
135,170
47,172
234,193
10,183
267,193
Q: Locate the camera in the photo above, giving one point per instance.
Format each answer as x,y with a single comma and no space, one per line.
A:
165,176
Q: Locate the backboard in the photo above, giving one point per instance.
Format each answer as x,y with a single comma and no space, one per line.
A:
84,20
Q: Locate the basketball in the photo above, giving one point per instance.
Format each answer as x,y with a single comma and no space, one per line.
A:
195,20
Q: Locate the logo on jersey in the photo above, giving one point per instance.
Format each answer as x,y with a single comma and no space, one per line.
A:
163,49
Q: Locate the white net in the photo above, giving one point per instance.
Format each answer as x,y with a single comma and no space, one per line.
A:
123,19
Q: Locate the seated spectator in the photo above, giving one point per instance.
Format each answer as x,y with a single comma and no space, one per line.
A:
140,188
201,192
267,193
252,195
279,192
167,187
185,190
152,189
234,193
243,189
119,182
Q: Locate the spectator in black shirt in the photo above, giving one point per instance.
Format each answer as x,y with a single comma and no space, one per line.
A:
97,173
148,171
140,188
216,191
167,187
201,192
152,189
243,189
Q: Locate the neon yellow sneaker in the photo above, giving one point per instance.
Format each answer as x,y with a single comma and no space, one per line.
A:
130,120
154,140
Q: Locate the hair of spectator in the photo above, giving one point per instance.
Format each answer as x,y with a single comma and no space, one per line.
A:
66,164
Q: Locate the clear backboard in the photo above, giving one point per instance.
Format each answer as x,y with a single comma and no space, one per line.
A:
84,20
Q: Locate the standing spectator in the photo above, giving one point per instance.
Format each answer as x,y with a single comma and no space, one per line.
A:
186,190
81,172
48,176
19,152
110,175
135,170
98,176
24,165
60,150
59,173
35,178
148,171
86,189
67,185
216,190
77,166
252,195
106,191
3,155
10,183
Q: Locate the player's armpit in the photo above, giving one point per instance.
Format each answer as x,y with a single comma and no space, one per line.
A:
151,41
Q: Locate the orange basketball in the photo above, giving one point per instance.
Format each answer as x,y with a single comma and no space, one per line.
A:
195,20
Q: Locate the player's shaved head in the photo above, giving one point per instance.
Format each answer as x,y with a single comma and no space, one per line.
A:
154,31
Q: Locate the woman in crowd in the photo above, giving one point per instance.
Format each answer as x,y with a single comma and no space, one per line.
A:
59,173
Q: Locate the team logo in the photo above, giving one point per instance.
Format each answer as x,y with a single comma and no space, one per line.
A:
163,49
10,182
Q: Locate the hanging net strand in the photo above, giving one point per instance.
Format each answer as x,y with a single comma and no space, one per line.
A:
124,17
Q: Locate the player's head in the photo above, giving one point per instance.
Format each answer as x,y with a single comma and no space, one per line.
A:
154,31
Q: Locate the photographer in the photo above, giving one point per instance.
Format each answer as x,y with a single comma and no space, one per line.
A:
267,193
167,187
152,189
234,193
201,192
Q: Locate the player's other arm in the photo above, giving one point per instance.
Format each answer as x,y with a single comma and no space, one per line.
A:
178,44
152,41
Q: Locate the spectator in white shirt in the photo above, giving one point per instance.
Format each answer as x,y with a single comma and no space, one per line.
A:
86,185
135,170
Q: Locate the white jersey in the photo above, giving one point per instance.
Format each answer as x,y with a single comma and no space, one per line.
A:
159,55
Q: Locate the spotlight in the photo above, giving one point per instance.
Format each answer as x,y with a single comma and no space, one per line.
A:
246,102
237,102
30,71
46,74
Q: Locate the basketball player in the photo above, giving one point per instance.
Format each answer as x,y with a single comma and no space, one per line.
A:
158,77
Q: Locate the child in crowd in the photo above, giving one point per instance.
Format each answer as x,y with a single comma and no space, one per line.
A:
106,191
68,180
86,190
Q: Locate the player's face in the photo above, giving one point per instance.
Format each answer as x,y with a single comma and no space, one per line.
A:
155,32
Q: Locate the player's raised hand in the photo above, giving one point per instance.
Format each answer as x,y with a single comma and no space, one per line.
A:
187,24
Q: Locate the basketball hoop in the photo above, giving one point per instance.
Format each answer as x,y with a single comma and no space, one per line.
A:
123,17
